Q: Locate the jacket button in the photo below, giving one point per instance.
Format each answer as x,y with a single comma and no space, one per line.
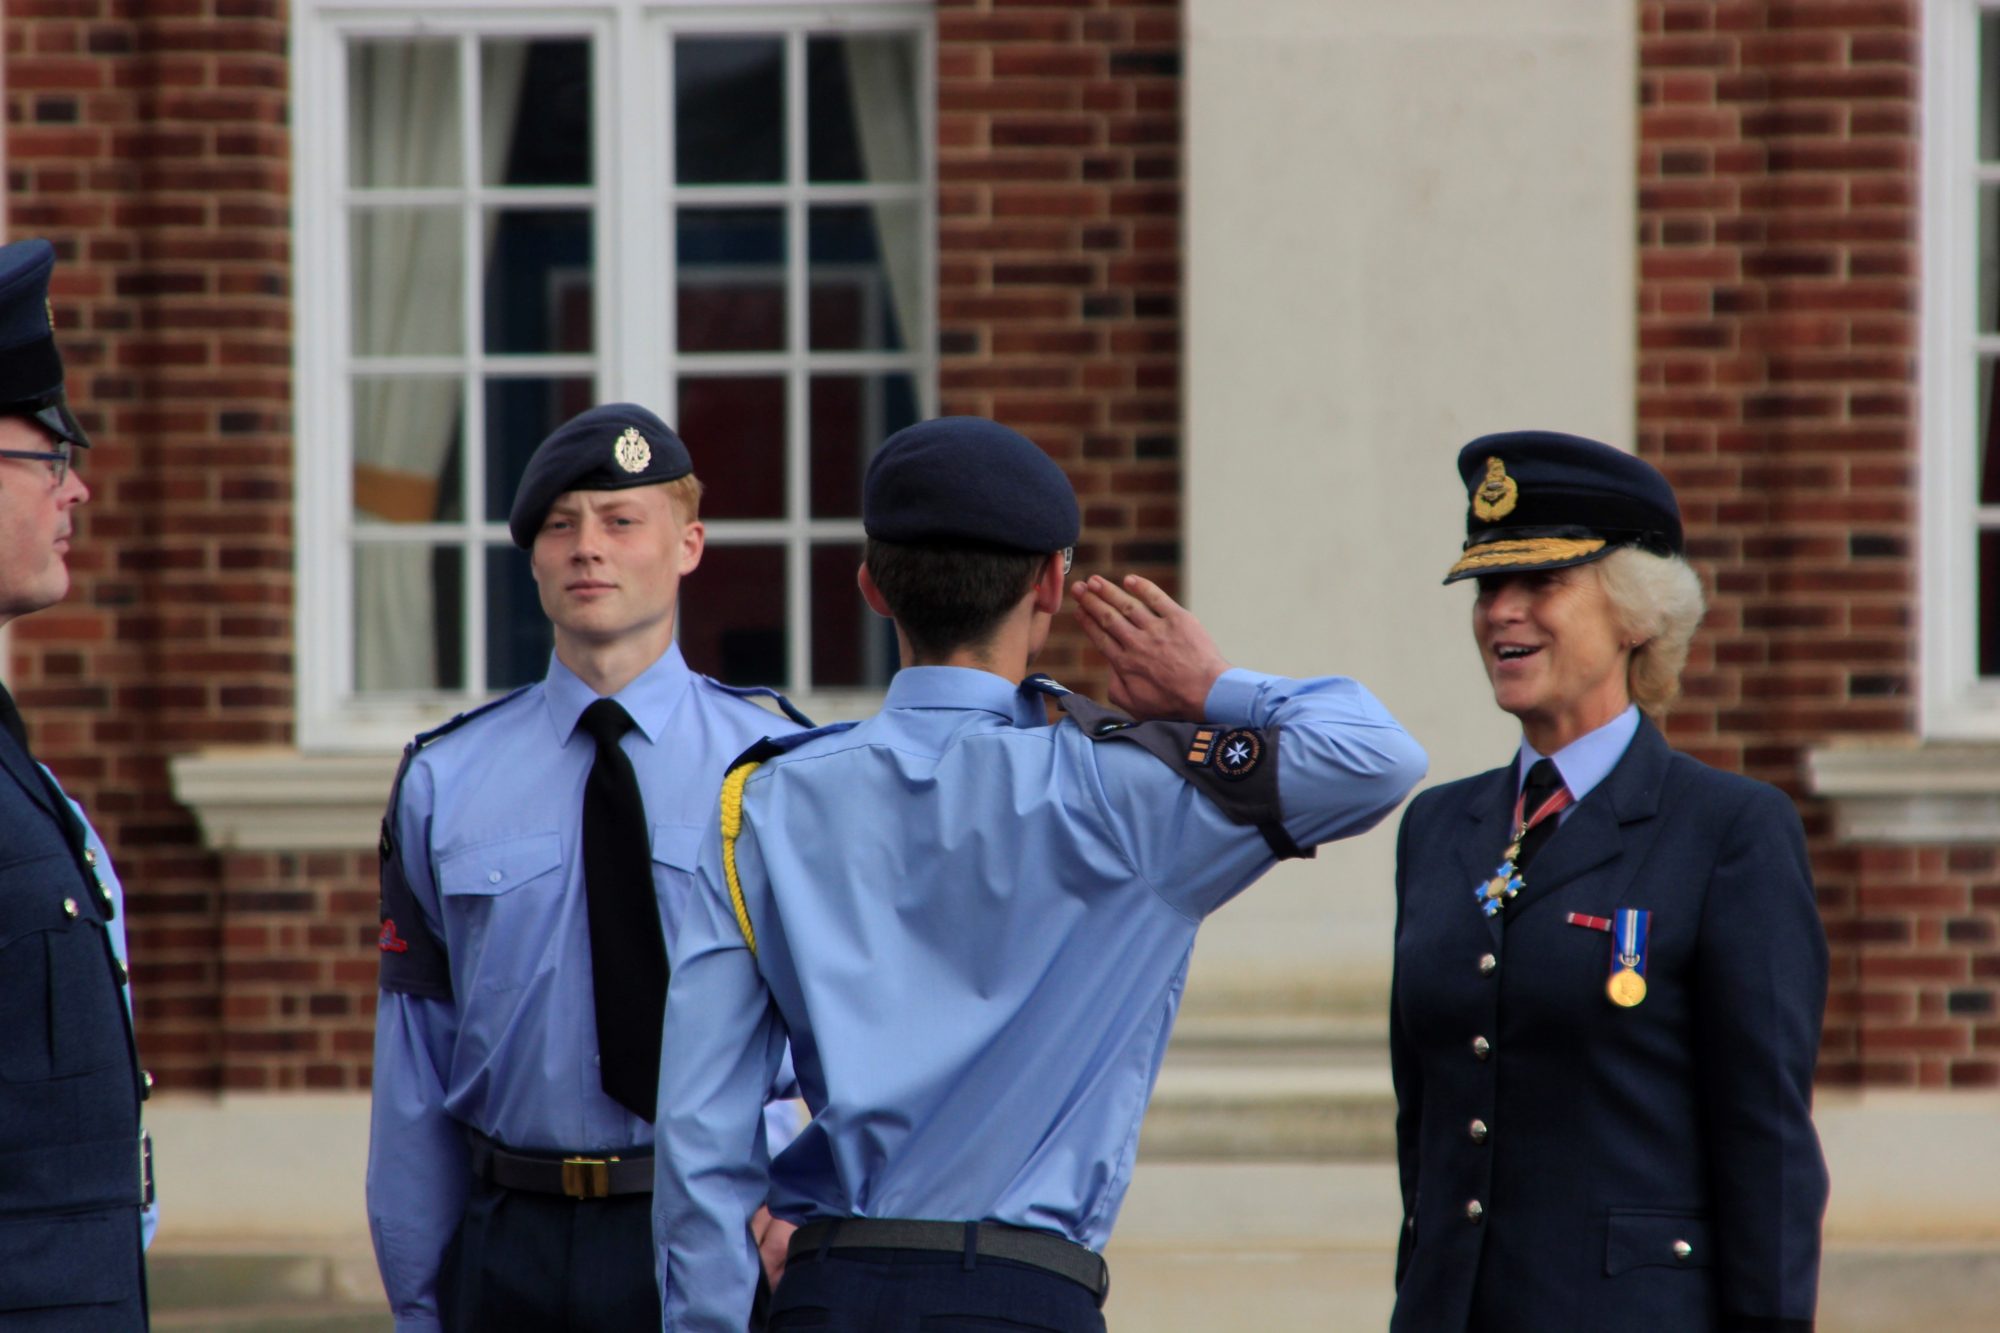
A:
124,976
1473,1212
1478,1131
1481,1047
145,1084
1683,1251
90,856
1488,965
69,908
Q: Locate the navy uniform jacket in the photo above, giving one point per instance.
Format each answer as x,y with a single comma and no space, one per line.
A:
70,1174
1609,1134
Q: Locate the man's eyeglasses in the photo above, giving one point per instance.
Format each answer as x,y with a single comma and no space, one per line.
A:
59,458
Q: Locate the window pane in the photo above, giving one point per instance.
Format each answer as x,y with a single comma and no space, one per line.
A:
735,431
729,110
538,281
1989,86
1989,259
1989,602
534,107
518,637
732,279
406,432
852,647
861,100
409,615
520,414
402,114
851,416
732,615
408,275
865,276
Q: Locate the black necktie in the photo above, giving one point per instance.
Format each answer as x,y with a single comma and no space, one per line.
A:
628,953
1543,782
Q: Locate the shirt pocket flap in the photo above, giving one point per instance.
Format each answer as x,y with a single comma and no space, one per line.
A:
500,867
1640,1238
678,845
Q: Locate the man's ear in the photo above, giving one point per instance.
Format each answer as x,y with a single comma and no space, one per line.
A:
872,594
1049,584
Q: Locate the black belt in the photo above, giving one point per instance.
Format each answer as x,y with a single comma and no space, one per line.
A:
579,1176
1037,1249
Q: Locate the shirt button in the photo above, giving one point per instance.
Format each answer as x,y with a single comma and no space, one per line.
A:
492,877
1683,1251
1481,1047
1473,1212
69,908
1478,1131
1488,965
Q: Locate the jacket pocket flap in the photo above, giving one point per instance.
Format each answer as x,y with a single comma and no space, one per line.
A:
81,1259
677,845
1639,1239
500,867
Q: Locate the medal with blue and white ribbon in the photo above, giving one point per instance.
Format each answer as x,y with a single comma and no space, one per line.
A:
1494,893
1627,984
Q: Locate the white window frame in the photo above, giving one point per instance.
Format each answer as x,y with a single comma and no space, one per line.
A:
635,357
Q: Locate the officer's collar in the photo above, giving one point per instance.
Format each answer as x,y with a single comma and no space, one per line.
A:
651,697
951,687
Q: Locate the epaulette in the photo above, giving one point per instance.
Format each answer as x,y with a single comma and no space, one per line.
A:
740,769
764,692
1236,768
413,959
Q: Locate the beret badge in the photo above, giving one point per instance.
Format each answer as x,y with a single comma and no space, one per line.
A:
632,451
1497,494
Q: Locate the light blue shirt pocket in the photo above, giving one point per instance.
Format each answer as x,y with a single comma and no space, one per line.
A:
506,899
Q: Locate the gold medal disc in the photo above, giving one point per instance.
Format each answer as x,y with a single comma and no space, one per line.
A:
1626,988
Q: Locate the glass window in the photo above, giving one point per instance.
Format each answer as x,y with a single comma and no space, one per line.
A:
510,243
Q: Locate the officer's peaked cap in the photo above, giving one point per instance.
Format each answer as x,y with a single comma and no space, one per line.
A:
31,370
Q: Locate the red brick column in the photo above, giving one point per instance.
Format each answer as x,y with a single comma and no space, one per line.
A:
1778,307
1059,164
147,140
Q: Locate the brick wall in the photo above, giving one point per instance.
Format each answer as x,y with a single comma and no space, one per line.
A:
147,140
1059,166
1778,308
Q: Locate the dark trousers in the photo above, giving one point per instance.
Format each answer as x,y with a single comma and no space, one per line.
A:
529,1262
925,1291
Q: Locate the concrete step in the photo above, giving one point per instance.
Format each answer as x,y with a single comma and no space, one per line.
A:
1284,1084
237,1286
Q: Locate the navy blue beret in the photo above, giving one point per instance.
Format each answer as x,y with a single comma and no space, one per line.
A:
31,370
968,479
607,448
1542,500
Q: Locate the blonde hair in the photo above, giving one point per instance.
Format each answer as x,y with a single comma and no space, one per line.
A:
1658,601
685,492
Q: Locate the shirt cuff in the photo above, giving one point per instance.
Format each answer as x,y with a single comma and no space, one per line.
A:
1232,700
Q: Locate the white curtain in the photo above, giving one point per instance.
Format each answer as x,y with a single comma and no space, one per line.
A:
882,76
408,301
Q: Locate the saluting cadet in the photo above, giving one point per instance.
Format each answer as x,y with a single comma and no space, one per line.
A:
537,856
75,1170
1610,970
974,926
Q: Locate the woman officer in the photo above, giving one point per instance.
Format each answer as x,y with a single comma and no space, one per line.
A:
1610,971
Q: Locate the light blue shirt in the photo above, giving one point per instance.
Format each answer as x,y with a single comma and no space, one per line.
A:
107,876
1585,761
489,827
975,928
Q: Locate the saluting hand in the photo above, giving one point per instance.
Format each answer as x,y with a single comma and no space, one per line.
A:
1163,663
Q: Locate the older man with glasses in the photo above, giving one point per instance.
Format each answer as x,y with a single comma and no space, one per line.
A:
75,1170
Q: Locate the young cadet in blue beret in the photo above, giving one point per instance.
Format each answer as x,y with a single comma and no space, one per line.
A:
75,1169
1610,971
974,926
537,857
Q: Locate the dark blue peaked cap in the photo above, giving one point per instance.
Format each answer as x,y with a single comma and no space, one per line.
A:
967,479
1537,499
31,370
607,448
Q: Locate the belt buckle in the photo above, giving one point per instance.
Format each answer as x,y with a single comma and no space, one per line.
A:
587,1177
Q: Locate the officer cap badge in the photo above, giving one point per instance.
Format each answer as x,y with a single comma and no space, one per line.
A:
632,451
1497,495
